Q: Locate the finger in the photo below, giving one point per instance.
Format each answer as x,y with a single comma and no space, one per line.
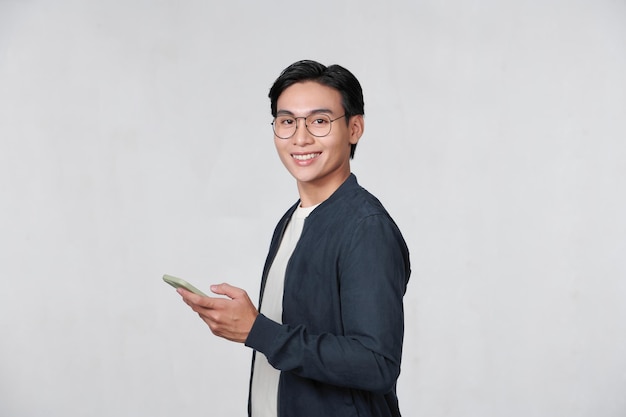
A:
227,290
194,299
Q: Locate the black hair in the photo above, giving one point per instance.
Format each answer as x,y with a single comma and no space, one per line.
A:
333,76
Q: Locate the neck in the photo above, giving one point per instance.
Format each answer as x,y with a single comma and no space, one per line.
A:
313,193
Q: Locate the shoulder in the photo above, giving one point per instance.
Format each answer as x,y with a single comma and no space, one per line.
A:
350,205
360,201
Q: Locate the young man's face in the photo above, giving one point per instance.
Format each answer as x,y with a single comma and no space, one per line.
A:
318,162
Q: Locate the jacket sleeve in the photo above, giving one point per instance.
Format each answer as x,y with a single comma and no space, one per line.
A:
373,273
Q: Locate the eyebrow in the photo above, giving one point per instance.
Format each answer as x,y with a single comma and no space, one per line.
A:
290,113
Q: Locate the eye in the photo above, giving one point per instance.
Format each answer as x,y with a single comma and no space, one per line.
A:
285,121
319,120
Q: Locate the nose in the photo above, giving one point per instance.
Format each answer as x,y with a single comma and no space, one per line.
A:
302,135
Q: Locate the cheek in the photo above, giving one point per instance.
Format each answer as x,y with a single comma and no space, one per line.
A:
279,146
341,147
283,154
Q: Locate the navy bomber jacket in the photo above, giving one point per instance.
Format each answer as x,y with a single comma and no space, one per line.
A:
340,344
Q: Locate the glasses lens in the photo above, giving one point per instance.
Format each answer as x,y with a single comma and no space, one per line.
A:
318,124
284,126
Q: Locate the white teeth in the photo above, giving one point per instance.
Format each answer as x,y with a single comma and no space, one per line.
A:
305,157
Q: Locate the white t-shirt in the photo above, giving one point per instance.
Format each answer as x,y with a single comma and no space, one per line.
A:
264,394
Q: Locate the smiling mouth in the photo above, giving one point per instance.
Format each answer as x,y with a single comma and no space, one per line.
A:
305,157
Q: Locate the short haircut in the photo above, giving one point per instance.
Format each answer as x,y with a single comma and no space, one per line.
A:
333,76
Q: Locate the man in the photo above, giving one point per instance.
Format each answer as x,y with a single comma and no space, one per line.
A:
327,337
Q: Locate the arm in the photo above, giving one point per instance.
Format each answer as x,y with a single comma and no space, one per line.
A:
373,272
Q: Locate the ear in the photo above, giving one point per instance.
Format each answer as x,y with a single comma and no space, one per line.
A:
356,126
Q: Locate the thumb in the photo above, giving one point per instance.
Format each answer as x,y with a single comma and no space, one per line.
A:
227,290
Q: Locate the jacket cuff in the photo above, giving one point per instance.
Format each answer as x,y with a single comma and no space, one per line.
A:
263,333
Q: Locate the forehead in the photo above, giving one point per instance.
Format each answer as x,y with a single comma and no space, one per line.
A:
308,96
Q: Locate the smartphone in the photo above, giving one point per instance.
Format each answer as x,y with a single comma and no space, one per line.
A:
181,283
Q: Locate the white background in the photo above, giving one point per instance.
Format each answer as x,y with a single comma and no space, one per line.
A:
135,141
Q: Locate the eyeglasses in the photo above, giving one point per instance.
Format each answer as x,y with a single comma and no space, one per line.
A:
317,124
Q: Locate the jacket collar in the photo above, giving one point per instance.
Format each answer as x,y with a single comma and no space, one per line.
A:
348,185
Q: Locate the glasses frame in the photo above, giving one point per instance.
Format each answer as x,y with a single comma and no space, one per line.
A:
306,126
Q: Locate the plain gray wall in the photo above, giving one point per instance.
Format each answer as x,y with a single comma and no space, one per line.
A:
135,140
